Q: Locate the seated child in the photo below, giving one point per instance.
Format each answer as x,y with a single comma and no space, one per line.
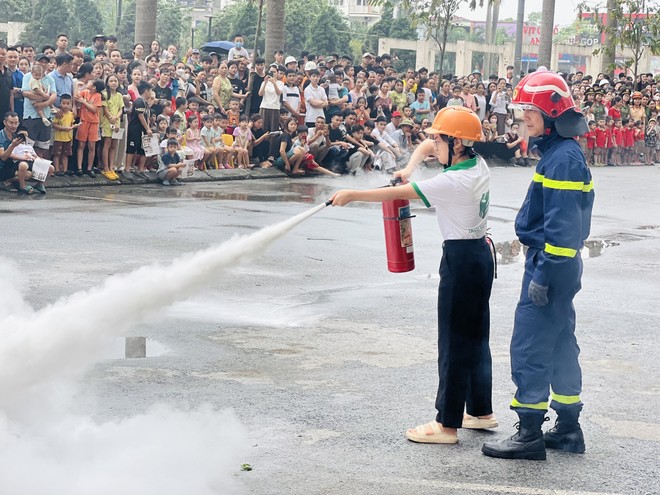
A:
170,165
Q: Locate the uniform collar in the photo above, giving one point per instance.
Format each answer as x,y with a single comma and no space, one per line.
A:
470,163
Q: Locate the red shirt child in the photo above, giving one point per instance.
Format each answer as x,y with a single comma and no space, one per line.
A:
629,137
601,137
591,139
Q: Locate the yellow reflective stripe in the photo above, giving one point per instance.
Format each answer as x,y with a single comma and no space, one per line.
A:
565,185
541,406
560,251
566,399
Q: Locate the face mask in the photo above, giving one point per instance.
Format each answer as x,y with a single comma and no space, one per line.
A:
239,45
185,77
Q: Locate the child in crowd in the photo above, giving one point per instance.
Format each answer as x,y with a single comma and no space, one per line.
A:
233,115
208,141
591,142
138,125
193,141
170,165
113,109
180,127
170,133
638,135
361,110
90,103
181,109
617,137
193,109
37,87
261,143
456,100
226,155
629,140
601,143
514,142
242,139
63,135
420,106
650,141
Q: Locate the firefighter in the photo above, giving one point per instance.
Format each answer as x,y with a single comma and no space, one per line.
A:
461,197
553,223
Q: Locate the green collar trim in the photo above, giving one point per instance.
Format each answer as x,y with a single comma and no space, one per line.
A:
471,163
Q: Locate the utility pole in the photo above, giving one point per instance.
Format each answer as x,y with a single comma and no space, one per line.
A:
517,57
547,28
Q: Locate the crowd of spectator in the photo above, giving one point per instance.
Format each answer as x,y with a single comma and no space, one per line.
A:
122,112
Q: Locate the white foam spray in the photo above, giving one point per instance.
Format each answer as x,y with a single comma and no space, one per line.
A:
44,354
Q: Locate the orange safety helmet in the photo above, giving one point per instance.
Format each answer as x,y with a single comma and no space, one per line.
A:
459,122
637,95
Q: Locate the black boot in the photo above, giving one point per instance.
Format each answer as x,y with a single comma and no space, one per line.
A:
526,444
567,434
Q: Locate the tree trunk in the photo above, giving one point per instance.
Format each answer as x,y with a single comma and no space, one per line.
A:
274,28
493,34
145,21
609,53
547,28
489,24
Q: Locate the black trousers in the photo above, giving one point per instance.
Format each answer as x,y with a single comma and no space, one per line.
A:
464,360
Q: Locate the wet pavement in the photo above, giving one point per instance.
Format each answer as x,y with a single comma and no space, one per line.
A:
327,358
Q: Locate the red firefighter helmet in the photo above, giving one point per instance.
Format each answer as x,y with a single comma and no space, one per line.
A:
546,91
549,93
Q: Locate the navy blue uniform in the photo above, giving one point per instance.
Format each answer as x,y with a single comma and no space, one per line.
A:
554,221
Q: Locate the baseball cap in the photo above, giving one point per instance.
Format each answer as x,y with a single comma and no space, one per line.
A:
41,56
195,51
396,114
99,36
604,82
289,60
367,54
321,65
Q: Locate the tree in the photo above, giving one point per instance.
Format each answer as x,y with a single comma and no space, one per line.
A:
145,21
275,18
631,24
15,10
50,18
172,22
86,20
547,27
436,16
534,19
126,30
238,18
330,32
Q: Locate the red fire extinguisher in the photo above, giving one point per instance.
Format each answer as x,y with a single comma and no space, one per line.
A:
398,234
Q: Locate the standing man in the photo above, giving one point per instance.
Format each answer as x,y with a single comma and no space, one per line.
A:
6,83
17,80
62,43
553,223
33,102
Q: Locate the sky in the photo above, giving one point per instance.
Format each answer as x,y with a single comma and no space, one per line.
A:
509,8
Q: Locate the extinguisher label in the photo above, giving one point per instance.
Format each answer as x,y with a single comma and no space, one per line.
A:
405,228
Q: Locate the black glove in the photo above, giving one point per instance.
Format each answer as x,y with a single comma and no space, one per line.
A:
538,293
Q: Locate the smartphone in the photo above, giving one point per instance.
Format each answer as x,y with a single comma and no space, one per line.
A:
275,133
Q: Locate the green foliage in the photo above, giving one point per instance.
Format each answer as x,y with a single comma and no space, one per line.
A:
51,17
15,10
629,31
240,17
389,27
534,19
126,32
172,22
85,20
329,32
297,23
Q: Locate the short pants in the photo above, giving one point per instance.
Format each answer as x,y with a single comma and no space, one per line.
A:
88,132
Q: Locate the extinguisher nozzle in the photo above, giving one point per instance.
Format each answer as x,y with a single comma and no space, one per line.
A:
328,203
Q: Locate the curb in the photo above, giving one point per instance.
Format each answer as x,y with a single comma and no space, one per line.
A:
198,176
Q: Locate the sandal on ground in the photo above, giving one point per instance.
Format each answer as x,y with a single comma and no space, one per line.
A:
26,190
40,188
430,433
476,423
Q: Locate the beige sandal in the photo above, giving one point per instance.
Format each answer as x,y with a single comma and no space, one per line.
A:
432,432
476,423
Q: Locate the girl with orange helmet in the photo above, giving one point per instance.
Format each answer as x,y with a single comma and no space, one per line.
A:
460,195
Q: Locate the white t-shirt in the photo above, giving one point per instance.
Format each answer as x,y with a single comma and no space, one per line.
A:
461,196
311,93
271,100
291,95
235,53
